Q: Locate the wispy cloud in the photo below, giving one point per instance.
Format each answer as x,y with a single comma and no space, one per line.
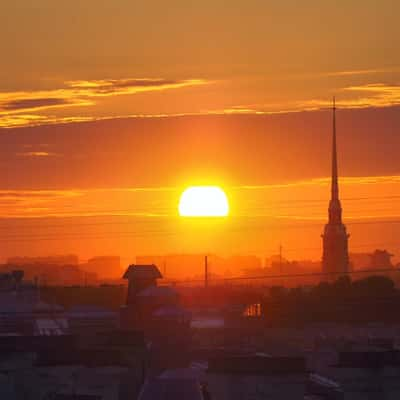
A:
25,108
348,180
23,104
354,97
377,94
356,72
305,199
21,120
110,87
31,108
39,154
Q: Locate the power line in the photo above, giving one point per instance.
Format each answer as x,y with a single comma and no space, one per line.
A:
282,276
145,234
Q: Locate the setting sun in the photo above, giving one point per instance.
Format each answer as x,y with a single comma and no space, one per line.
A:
203,201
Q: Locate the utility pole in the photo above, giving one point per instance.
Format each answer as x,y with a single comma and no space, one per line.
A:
206,271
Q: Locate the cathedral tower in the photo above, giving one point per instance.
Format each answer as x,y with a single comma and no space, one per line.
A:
335,258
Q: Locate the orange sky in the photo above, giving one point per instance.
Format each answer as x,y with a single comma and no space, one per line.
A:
109,109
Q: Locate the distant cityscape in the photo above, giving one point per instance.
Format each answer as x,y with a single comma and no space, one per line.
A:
67,270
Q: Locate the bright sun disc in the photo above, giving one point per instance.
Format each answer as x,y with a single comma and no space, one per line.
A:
203,201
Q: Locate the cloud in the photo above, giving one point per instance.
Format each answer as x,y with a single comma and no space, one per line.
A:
36,154
25,108
353,97
356,72
112,87
19,109
306,199
33,103
376,94
21,203
32,194
23,120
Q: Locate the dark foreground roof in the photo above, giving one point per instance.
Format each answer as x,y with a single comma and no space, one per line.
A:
166,389
14,344
60,396
123,338
256,365
89,358
142,272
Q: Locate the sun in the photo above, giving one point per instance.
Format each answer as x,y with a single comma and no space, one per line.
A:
203,201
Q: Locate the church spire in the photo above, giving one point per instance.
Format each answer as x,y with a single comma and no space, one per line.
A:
335,257
335,208
335,186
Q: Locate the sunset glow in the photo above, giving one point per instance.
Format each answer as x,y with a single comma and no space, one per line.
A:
203,201
101,136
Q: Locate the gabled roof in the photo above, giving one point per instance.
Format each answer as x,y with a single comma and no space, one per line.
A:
142,272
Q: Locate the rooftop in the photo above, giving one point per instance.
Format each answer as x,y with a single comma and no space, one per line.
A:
256,365
177,389
135,271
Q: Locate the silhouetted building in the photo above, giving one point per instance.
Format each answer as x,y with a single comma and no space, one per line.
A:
140,277
147,304
381,259
23,313
70,259
46,272
156,311
335,238
104,266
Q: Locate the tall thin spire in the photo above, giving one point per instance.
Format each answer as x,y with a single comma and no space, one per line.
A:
335,185
335,257
335,208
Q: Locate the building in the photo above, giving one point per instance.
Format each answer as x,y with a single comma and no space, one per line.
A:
23,313
87,319
149,305
231,377
381,259
369,373
156,311
110,367
335,258
139,278
105,267
48,271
